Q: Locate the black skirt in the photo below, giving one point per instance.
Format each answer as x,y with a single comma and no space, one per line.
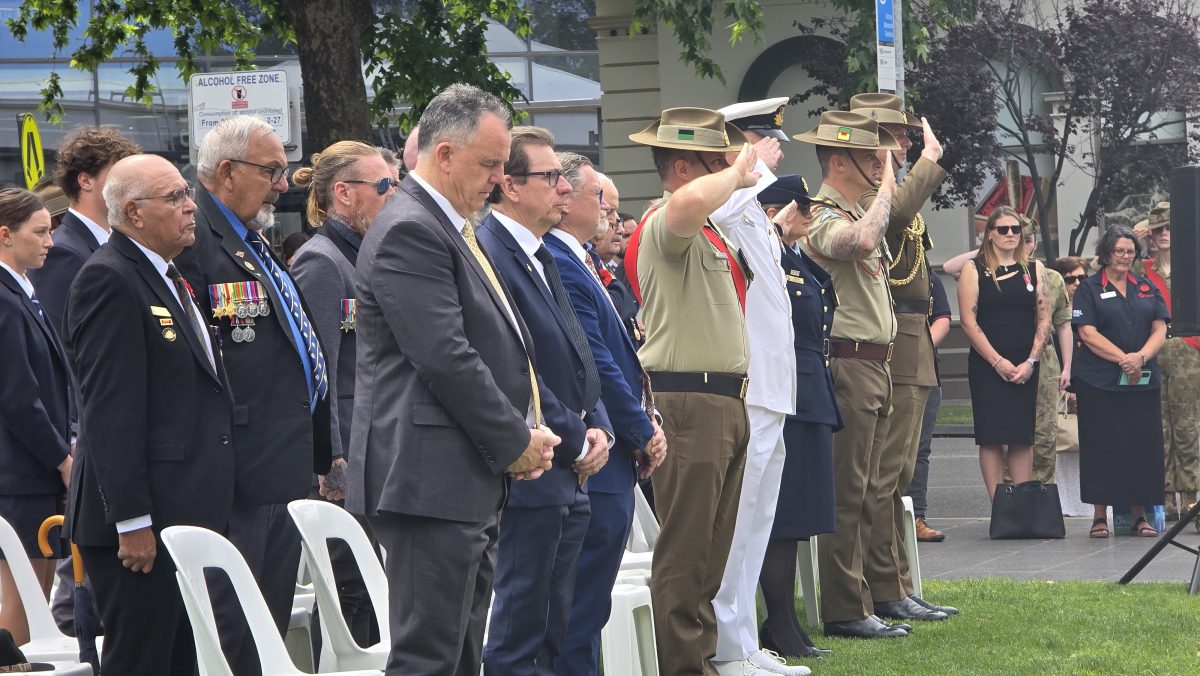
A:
806,503
25,513
1004,412
1120,446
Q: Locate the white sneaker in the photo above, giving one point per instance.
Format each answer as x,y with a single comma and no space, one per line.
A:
739,668
769,662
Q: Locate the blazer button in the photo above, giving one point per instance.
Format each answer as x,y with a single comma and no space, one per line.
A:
306,404
524,370
217,389
224,439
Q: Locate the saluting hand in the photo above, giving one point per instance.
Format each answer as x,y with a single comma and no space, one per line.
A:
744,166
933,147
137,549
769,151
791,221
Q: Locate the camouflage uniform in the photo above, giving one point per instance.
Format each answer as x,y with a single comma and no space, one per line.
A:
1045,426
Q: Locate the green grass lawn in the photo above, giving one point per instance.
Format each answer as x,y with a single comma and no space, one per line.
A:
1033,627
955,414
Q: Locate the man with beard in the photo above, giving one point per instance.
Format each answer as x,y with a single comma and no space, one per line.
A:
276,365
348,183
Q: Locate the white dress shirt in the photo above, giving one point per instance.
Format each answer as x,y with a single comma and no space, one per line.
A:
98,232
22,280
768,310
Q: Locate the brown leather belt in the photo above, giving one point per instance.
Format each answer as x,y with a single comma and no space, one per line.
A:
914,306
849,349
727,384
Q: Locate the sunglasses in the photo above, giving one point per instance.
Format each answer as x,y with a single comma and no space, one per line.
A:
1074,279
1006,229
175,197
552,176
381,186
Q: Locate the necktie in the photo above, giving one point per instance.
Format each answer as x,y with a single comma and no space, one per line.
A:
468,233
189,308
37,305
318,379
591,378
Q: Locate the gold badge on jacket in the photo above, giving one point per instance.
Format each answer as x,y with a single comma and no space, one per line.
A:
169,333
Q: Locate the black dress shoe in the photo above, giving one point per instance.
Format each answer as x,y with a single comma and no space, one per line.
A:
899,625
767,640
864,628
949,610
907,609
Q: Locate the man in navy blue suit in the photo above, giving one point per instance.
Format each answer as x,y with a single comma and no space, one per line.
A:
544,521
640,444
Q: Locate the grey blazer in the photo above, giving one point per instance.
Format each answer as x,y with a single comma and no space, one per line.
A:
324,275
442,381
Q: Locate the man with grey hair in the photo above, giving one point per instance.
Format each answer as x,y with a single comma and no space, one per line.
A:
447,397
155,418
275,361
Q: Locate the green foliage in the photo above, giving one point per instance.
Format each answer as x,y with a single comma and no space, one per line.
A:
691,23
413,51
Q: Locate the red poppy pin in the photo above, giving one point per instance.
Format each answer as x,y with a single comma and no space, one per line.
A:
1144,288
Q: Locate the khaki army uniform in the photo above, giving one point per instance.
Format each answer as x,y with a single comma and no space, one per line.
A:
863,390
1045,426
914,374
1179,364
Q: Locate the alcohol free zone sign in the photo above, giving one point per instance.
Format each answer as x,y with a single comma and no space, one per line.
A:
214,97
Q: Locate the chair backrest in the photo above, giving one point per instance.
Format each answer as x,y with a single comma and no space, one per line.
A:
37,610
644,519
209,657
195,549
318,522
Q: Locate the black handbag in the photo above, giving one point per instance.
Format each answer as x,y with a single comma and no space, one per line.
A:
1027,511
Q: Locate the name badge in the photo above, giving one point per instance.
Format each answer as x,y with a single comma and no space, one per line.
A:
1108,294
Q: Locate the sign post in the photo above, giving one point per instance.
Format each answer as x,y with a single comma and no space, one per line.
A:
33,161
889,46
215,97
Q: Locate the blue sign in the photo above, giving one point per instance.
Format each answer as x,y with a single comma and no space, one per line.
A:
885,21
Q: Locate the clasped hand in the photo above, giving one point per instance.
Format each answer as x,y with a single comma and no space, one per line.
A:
538,454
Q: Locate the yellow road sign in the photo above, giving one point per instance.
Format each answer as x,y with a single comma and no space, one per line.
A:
33,162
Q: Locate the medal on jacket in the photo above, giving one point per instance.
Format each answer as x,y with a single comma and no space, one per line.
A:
240,302
349,315
1028,282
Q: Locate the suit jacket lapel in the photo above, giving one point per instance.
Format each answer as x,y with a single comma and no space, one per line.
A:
418,193
156,283
81,230
38,318
340,242
606,300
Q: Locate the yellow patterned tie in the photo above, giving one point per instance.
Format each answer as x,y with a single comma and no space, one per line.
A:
468,233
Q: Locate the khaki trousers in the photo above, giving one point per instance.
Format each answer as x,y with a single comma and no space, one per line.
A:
887,560
696,493
863,390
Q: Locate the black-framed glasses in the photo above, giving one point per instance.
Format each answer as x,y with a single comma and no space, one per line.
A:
1006,229
552,175
1074,279
381,186
276,173
175,197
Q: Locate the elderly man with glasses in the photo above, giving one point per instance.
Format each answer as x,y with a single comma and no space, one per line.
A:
276,364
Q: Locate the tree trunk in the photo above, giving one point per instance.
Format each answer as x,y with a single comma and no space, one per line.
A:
329,37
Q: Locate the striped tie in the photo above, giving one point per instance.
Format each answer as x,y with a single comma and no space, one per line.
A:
317,379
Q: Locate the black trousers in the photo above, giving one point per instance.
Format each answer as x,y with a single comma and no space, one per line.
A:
146,630
439,587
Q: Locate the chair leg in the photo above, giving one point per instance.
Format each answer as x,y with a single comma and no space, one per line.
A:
806,573
910,545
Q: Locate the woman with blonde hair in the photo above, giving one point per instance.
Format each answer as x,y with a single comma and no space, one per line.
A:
1006,316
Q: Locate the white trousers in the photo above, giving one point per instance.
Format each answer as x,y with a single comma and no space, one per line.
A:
734,605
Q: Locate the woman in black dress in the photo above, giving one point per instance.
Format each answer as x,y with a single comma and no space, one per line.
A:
1006,316
806,502
1121,320
35,460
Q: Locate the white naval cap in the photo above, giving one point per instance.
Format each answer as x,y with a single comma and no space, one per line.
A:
764,117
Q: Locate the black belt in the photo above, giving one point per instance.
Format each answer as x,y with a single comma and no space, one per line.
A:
849,349
727,384
912,305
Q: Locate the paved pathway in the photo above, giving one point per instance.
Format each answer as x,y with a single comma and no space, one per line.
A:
958,505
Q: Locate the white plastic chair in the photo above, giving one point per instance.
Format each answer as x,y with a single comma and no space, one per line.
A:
318,521
627,641
196,549
910,545
46,642
806,574
298,638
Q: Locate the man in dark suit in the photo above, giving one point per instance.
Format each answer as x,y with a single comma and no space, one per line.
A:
445,382
82,164
348,185
544,521
155,446
275,361
624,393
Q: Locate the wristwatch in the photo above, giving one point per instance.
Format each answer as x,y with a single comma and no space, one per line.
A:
1031,361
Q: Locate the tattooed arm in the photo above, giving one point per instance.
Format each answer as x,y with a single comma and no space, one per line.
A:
861,238
1042,335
